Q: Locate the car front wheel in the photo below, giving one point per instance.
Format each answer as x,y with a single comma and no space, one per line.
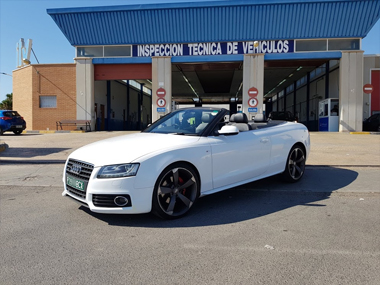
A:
18,132
295,164
175,191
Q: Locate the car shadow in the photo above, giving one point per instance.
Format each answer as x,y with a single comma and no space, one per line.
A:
30,152
10,134
247,202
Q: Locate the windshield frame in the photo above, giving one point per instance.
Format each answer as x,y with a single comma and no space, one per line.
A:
220,112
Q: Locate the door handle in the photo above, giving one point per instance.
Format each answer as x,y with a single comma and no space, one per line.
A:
265,140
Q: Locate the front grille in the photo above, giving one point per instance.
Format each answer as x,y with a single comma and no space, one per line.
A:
78,170
108,200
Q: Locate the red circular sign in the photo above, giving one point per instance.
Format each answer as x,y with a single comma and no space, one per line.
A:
253,92
368,88
253,102
161,92
161,102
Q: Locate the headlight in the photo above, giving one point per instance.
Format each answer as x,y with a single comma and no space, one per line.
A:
118,170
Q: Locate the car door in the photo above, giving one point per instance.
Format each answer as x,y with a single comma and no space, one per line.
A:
240,157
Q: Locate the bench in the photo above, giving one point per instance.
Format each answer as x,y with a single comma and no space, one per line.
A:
74,123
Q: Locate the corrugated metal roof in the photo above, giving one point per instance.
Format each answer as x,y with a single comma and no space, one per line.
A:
217,21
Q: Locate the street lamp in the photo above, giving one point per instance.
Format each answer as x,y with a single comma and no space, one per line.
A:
6,74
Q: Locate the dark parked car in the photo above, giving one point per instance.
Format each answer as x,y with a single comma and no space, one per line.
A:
11,121
282,116
372,123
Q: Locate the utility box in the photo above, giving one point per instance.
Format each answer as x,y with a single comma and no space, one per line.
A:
329,115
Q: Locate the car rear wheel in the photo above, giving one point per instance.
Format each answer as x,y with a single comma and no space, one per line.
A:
1,131
295,164
18,132
175,191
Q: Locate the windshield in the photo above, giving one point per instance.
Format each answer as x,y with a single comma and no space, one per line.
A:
184,122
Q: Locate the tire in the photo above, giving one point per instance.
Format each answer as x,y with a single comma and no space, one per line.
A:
18,132
175,192
1,132
295,164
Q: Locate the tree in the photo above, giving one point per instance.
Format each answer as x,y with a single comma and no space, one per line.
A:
7,103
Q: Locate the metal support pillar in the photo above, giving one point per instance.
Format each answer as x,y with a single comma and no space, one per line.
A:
294,98
108,105
141,102
308,99
285,99
253,76
327,80
128,106
161,78
85,97
351,91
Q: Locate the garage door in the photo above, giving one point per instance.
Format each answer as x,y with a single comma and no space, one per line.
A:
375,96
122,71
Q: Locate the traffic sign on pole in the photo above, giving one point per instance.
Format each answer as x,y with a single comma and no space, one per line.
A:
368,88
253,92
253,102
161,102
161,92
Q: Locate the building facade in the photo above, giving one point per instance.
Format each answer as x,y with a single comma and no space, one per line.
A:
260,55
44,94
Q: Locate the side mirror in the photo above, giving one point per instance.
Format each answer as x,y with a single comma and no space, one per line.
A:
228,131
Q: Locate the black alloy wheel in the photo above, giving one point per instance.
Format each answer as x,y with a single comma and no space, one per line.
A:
295,164
175,191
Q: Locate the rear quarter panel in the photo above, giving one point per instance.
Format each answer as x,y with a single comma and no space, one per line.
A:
283,138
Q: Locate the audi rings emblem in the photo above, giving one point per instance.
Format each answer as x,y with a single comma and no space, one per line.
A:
76,168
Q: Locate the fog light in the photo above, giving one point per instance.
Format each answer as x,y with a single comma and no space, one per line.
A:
121,201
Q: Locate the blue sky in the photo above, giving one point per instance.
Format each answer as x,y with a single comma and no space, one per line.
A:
28,19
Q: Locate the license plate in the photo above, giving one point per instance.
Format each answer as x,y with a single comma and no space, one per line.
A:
19,126
76,183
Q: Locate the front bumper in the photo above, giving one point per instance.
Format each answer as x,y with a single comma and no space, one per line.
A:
100,194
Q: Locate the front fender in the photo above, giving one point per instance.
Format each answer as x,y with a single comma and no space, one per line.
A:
152,166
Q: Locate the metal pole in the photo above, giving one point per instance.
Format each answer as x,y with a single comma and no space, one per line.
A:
108,105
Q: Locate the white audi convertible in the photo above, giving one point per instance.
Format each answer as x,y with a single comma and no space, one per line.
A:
187,154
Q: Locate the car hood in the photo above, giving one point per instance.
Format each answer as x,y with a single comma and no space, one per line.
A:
129,148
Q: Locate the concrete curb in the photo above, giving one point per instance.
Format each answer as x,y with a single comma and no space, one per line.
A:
51,132
360,133
364,133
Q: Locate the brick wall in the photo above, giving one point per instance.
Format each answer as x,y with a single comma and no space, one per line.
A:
31,82
22,94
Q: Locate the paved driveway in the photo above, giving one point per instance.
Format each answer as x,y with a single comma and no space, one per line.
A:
323,230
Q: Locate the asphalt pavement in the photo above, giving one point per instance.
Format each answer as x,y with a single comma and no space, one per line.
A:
322,230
